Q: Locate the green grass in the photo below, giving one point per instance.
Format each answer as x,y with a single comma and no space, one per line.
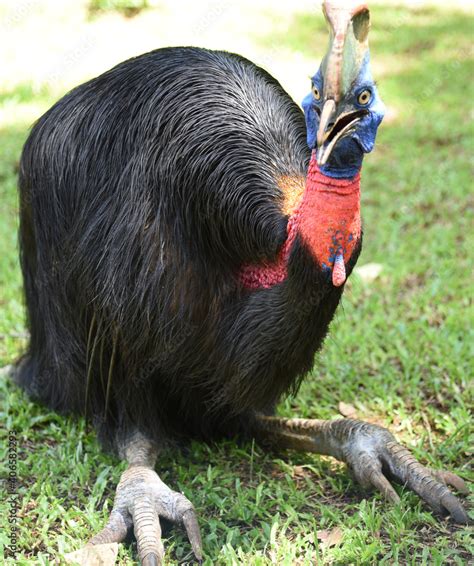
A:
400,347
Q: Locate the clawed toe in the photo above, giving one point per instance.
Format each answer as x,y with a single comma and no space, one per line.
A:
140,500
375,458
151,560
373,455
191,525
428,484
369,474
115,530
448,478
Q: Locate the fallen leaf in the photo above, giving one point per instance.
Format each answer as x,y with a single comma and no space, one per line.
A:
330,538
369,272
301,471
94,555
347,410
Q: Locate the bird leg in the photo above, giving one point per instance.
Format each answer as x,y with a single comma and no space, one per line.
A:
141,499
373,455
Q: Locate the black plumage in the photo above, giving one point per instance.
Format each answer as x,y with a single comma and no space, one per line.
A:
142,192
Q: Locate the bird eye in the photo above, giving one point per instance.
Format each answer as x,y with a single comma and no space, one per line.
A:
364,97
316,93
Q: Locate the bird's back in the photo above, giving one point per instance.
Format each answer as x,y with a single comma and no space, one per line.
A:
143,192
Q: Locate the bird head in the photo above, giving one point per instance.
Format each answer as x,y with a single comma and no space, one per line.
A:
343,109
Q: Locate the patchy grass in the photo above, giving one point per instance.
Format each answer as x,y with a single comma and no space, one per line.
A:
400,349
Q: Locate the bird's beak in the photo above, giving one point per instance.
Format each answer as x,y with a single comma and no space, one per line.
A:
326,123
327,115
332,128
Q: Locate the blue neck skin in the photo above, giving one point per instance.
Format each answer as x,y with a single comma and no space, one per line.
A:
346,158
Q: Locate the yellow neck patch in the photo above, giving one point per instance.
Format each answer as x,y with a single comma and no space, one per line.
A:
292,189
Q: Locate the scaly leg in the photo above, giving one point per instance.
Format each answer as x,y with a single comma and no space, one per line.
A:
141,499
371,452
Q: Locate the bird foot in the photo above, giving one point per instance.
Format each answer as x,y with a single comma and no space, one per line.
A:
375,457
140,500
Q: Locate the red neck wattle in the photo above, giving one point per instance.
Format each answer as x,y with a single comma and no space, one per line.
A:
327,220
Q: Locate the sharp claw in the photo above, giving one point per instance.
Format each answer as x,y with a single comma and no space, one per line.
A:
151,559
192,528
454,508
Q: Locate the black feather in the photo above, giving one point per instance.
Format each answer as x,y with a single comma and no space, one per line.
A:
142,192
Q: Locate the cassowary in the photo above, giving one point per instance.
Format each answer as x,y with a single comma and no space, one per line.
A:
186,233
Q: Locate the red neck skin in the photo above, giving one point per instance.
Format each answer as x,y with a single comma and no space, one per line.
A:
327,220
